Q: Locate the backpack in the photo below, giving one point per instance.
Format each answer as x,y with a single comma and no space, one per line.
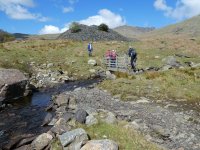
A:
132,52
108,54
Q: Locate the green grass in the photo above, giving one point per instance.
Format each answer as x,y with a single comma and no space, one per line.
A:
127,139
72,57
172,84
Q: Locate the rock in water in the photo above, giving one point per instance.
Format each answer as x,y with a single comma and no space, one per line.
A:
12,84
47,119
73,140
81,115
41,141
100,145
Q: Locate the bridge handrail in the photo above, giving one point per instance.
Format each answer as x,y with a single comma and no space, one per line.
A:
120,62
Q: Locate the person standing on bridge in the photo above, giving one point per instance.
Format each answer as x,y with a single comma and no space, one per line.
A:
90,48
132,53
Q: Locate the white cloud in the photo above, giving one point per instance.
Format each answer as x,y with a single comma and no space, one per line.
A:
183,9
73,1
105,16
50,29
68,9
18,9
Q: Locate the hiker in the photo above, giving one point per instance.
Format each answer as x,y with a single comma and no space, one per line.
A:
111,57
132,53
90,48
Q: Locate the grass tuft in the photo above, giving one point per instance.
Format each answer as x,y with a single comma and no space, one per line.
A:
127,139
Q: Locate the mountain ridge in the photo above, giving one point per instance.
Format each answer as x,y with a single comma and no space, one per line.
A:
133,31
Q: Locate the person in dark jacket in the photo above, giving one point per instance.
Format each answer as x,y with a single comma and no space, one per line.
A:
90,48
132,53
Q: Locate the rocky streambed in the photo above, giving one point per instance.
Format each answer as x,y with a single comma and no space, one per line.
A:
160,122
170,125
21,119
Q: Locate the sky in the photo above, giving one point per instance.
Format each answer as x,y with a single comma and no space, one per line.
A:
55,16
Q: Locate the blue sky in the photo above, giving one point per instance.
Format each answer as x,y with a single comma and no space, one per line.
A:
54,16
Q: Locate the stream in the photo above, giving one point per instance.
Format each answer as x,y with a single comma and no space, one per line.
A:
24,116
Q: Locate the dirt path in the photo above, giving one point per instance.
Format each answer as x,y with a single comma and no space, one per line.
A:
166,124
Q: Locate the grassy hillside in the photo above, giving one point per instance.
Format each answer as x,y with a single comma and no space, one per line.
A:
72,57
132,32
190,27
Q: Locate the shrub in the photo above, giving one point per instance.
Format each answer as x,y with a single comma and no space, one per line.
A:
103,27
75,27
5,37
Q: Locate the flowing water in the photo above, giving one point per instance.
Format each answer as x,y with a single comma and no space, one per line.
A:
26,115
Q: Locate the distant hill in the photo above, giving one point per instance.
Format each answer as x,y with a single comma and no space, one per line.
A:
5,36
190,27
20,35
91,33
133,32
45,36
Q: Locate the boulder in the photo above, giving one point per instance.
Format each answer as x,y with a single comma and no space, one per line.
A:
67,100
100,145
107,117
61,99
91,120
110,76
41,141
12,84
73,140
67,116
171,61
47,119
81,115
92,62
60,127
110,119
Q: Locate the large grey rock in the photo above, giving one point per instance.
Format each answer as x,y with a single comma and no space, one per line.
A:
100,145
73,140
107,117
12,84
111,118
41,141
67,116
81,115
91,120
110,76
171,61
67,100
60,127
61,99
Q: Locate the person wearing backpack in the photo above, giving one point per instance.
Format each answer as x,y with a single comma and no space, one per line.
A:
132,53
90,48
